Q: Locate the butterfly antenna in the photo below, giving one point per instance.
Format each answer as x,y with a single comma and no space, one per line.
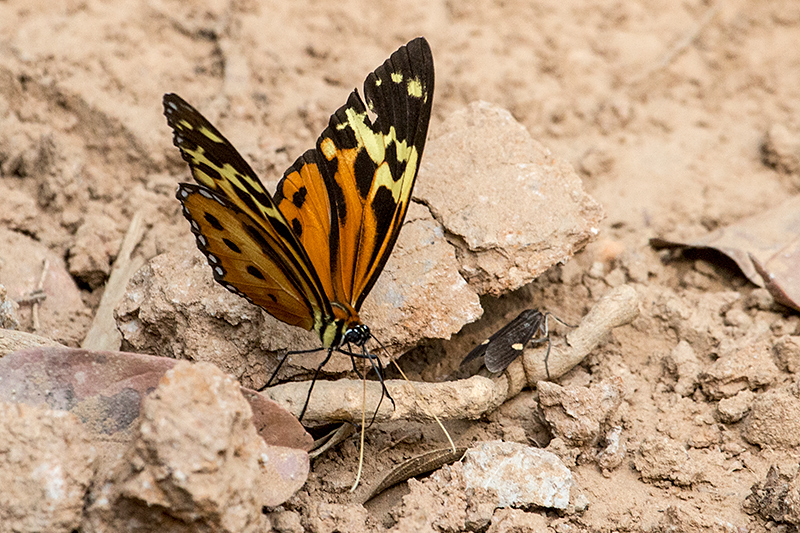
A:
313,381
418,396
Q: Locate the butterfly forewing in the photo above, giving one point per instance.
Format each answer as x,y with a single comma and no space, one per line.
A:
369,167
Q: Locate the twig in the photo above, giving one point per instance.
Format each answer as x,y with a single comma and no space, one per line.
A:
465,399
103,334
39,289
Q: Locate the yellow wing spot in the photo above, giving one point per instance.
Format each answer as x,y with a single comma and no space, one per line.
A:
365,136
397,77
414,88
186,125
378,82
517,346
328,148
403,150
383,176
216,138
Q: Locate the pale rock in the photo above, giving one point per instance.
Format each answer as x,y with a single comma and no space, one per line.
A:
198,463
733,409
512,208
773,420
578,414
46,468
518,475
749,367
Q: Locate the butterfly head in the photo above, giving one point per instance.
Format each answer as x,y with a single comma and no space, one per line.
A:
357,335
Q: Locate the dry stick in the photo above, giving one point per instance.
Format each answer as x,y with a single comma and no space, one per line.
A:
465,399
39,289
103,334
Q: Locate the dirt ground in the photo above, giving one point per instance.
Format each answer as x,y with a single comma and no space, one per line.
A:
662,108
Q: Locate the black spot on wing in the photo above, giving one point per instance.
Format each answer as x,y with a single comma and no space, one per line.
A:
232,246
256,273
384,208
364,169
395,167
297,227
299,197
213,221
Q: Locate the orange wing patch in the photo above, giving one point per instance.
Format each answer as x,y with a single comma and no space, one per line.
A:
369,168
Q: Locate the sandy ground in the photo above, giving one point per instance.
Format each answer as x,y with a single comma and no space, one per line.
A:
662,107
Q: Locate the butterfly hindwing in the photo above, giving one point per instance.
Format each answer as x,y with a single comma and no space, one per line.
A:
246,259
246,216
369,166
508,343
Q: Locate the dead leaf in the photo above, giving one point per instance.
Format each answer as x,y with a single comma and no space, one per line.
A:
766,247
105,390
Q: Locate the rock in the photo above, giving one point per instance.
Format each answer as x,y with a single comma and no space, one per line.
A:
750,367
513,208
518,475
774,420
96,244
612,455
46,468
420,293
438,503
776,498
174,308
9,311
198,463
663,459
787,353
578,414
682,363
733,409
62,314
286,522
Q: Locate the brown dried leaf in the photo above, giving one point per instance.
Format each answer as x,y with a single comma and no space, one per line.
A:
105,390
766,247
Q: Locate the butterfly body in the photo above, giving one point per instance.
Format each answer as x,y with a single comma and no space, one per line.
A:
310,254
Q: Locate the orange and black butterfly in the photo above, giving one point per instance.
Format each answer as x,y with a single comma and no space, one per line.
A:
310,253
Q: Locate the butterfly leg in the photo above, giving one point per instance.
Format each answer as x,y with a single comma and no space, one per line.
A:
313,381
280,364
544,329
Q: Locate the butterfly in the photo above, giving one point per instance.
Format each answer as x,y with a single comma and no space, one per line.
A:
310,254
507,344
